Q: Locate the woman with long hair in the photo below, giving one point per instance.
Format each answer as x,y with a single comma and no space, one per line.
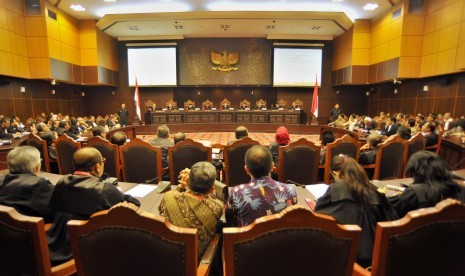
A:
432,182
353,199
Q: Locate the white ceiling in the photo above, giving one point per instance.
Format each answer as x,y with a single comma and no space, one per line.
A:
176,19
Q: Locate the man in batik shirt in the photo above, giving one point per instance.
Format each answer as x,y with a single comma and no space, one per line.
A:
263,195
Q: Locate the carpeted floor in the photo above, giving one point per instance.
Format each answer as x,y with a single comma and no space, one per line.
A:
223,137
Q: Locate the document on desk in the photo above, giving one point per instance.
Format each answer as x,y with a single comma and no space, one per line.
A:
141,190
317,190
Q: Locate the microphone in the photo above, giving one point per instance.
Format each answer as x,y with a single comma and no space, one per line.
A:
295,183
152,181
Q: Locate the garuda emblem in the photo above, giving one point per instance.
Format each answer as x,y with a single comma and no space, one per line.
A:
224,62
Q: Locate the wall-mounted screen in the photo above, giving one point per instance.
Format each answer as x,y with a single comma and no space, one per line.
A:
297,66
152,66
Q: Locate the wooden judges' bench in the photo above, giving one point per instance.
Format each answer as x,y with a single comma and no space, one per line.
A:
225,116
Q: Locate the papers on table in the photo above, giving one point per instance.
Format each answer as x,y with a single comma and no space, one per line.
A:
216,150
141,190
317,190
82,139
206,143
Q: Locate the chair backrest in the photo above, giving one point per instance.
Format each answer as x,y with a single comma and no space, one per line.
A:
129,130
225,101
110,152
428,241
298,103
234,161
210,103
261,102
140,161
344,145
147,244
282,103
307,242
245,102
415,144
66,147
299,162
41,145
436,148
185,154
148,104
187,103
391,158
338,132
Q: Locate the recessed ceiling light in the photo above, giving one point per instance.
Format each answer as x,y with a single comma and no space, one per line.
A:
77,7
370,6
111,1
338,0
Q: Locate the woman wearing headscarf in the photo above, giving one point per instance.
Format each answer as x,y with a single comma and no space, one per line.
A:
281,139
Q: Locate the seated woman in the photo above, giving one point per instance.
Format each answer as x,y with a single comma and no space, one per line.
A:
353,199
281,139
326,137
432,182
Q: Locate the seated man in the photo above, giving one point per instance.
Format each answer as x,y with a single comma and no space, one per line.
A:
207,106
224,106
64,127
427,130
190,107
192,204
99,131
326,138
243,106
391,127
118,138
240,132
162,141
259,106
370,149
22,189
170,107
263,195
179,137
46,134
7,132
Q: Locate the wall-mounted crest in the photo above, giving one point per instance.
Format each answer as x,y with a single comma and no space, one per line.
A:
224,62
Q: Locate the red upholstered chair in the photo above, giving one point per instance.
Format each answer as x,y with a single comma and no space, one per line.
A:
234,154
427,241
185,154
390,159
66,147
110,152
23,246
299,162
344,145
126,241
437,147
294,242
140,161
41,145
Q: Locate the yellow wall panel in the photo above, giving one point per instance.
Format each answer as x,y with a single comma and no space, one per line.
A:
375,38
462,32
361,40
433,5
361,57
460,59
411,46
89,57
396,28
70,54
394,48
39,68
413,25
67,21
3,19
54,48
446,61
69,36
452,14
18,44
52,28
21,66
5,44
448,37
15,6
6,66
433,22
428,65
409,67
88,40
362,26
37,46
430,43
35,26
15,23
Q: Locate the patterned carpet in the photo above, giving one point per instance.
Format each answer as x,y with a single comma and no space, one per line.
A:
223,137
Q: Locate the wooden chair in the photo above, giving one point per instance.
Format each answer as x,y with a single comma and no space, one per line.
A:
173,104
289,243
41,145
437,147
261,102
225,102
282,103
415,144
189,103
129,130
298,104
338,132
210,103
299,162
427,241
66,147
344,145
110,152
24,249
149,105
245,102
185,154
140,161
234,154
127,241
390,159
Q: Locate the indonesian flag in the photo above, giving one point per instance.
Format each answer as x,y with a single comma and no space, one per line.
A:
314,109
136,100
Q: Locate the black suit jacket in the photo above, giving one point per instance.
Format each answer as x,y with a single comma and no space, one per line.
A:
431,139
390,130
368,157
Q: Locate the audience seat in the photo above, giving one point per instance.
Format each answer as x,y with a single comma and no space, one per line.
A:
185,154
427,241
344,145
23,246
110,152
127,241
294,242
390,159
140,161
298,162
41,145
234,172
66,147
436,148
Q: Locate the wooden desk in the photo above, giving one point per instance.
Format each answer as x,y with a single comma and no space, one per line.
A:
5,149
453,151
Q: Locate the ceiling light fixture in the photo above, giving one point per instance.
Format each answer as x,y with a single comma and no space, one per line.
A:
371,6
110,1
77,7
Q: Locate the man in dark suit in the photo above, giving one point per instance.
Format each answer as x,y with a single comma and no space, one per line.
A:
162,141
123,115
391,127
370,149
6,131
64,127
335,112
427,130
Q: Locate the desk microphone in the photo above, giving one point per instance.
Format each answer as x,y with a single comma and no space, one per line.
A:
295,183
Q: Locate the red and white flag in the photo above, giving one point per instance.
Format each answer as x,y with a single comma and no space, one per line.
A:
137,100
314,109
